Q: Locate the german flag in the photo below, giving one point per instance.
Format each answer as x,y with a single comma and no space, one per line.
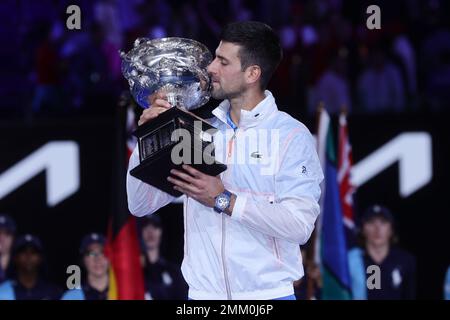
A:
126,281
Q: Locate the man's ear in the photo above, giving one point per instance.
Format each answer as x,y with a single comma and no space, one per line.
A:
253,74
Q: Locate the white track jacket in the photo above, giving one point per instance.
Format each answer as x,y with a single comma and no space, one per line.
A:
274,170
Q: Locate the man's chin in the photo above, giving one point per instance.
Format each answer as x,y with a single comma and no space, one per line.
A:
218,95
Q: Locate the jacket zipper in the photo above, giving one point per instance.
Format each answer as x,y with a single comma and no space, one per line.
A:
227,282
230,145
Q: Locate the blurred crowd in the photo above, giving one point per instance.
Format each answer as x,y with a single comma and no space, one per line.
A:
330,55
24,270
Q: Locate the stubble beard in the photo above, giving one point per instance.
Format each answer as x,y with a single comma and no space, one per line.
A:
220,94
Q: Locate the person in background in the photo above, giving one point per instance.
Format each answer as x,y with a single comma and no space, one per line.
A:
28,281
96,283
447,285
397,267
7,232
333,88
380,86
163,279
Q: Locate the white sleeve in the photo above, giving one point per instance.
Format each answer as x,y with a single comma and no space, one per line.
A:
297,191
143,199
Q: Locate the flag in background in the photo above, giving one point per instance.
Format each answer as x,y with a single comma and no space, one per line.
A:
126,281
346,189
333,247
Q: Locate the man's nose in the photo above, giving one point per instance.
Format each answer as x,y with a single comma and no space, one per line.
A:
211,67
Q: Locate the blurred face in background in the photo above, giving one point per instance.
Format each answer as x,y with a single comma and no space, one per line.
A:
95,261
227,77
6,240
378,231
28,260
379,60
151,235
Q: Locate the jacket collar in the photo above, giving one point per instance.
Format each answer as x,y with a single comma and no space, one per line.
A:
248,118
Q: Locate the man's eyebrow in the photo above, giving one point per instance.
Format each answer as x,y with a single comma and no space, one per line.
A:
221,57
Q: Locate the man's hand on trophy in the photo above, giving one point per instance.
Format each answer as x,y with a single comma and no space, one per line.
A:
157,106
197,185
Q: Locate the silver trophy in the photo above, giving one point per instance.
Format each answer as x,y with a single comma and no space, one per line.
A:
177,68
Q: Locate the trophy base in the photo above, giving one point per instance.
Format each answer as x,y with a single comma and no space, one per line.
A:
156,145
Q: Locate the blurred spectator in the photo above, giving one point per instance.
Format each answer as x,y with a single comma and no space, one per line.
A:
397,267
438,83
29,280
96,283
333,88
48,96
435,55
94,70
404,50
380,86
7,232
106,13
163,279
447,285
187,22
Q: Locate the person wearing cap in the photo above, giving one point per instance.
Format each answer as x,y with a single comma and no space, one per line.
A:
7,231
28,281
163,279
397,267
96,264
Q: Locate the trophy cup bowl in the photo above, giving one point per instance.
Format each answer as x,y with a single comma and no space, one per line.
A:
175,67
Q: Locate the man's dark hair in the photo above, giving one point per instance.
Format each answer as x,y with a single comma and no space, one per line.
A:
259,46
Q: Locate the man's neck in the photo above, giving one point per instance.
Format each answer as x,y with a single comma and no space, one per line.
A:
153,255
98,283
378,252
28,279
247,101
4,260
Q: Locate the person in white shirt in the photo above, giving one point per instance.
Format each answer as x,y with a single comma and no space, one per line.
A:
243,227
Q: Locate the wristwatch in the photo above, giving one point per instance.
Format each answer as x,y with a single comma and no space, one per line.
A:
222,201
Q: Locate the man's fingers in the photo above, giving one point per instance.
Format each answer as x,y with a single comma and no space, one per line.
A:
159,99
162,103
193,172
158,95
161,95
184,176
189,187
150,114
158,105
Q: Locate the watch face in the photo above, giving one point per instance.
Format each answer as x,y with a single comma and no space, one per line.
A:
222,202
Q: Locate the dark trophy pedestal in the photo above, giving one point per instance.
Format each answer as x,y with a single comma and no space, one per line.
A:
155,148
